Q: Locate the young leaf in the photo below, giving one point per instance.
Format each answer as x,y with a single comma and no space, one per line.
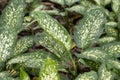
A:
33,60
89,28
23,75
12,15
104,74
113,49
92,75
49,70
95,54
51,44
23,44
53,28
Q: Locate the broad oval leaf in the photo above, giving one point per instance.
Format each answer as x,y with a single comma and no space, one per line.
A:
113,49
49,70
104,74
51,44
92,75
23,75
33,59
23,44
95,54
53,28
89,28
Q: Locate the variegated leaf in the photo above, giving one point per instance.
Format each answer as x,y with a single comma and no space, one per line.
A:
111,31
102,2
105,40
23,44
111,24
70,2
53,28
95,54
51,44
114,64
115,5
61,2
33,59
89,28
12,15
49,70
113,49
104,74
92,75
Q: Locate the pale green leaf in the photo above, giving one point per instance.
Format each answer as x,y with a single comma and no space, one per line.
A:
33,59
89,28
111,31
115,5
49,70
53,28
23,44
111,24
103,2
24,75
114,64
70,2
104,74
95,54
113,49
61,2
51,44
92,75
105,40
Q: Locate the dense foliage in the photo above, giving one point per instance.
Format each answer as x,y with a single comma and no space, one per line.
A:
60,40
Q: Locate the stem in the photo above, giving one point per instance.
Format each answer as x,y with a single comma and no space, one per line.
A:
30,23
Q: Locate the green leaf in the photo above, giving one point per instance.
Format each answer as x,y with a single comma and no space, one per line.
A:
105,40
12,15
94,54
89,28
111,24
114,64
115,5
70,2
113,49
23,44
103,2
33,59
61,2
104,74
23,75
111,31
53,28
92,75
51,44
49,70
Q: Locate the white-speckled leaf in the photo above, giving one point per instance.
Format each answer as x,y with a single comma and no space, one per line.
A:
115,5
92,75
61,2
12,15
105,40
111,24
53,28
33,59
89,28
70,2
51,44
23,44
111,31
114,64
49,70
113,49
104,74
102,2
95,54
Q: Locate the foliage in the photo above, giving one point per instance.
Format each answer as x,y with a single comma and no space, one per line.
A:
38,40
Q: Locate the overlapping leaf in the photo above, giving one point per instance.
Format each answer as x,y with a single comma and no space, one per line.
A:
89,28
23,75
53,28
92,75
114,64
115,5
49,70
33,60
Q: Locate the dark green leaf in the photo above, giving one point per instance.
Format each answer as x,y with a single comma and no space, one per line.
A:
53,28
49,70
89,28
92,75
23,75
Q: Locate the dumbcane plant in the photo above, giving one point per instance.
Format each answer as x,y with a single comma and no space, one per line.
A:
97,36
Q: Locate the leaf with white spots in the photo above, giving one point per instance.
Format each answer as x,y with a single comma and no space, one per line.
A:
92,75
51,44
113,49
49,70
33,59
61,2
104,74
70,2
111,31
103,2
114,64
95,54
53,28
12,15
89,28
115,5
23,44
